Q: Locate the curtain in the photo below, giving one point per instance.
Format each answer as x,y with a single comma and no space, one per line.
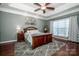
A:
73,29
51,27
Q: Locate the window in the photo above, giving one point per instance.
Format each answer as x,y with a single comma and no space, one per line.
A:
60,27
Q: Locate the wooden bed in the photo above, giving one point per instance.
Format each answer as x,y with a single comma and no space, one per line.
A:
38,40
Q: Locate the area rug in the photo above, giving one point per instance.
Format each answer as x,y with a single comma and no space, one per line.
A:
23,49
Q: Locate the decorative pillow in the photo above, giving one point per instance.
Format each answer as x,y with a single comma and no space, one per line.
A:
33,31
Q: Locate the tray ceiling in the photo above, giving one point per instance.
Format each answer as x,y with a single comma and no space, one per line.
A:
27,9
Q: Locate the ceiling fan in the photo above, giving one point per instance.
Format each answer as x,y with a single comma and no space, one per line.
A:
43,7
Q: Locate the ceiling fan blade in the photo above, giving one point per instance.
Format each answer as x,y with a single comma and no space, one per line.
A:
37,9
47,4
44,11
37,4
51,8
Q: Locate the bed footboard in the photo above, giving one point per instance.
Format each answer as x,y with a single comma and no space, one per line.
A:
40,40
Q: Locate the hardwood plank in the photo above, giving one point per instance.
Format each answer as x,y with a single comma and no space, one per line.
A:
70,49
7,49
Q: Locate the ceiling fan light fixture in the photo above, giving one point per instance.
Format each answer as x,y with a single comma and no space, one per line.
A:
43,7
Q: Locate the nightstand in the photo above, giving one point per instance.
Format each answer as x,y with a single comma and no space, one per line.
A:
20,36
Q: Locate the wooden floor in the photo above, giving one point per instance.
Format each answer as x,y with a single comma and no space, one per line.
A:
70,49
7,49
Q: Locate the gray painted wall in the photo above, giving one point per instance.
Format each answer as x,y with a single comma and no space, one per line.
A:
0,24
47,23
78,26
8,24
78,20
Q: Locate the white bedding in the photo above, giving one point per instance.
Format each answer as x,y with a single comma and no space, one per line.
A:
28,35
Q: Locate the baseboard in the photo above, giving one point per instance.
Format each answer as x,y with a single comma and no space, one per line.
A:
66,40
8,41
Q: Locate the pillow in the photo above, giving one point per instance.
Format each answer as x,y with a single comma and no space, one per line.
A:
33,31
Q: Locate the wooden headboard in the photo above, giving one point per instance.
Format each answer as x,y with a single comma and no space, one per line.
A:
29,28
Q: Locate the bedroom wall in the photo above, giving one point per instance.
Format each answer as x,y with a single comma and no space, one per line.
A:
48,25
78,26
0,25
8,23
